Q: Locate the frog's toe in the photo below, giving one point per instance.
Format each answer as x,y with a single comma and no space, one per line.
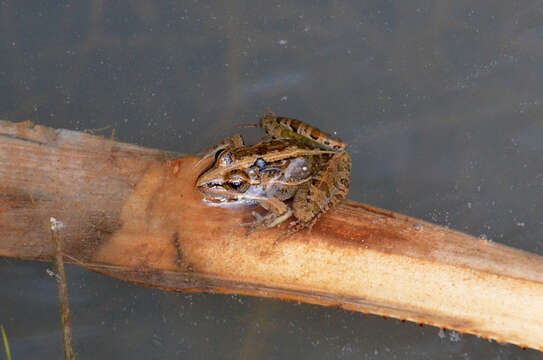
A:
297,226
259,223
258,219
263,222
250,229
293,229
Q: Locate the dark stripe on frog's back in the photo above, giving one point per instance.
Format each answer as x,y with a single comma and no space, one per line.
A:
262,149
306,133
265,149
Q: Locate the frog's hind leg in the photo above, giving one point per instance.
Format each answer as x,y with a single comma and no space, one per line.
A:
323,192
319,194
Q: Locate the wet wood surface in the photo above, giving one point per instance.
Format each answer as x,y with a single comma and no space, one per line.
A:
133,213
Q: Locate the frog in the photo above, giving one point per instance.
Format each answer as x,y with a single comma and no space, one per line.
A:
296,171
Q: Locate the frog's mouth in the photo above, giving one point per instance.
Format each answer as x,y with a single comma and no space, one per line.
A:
216,187
225,188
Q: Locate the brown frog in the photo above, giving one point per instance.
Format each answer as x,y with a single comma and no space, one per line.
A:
299,171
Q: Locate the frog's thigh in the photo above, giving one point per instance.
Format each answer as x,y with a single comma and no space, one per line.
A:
325,191
334,184
304,208
340,173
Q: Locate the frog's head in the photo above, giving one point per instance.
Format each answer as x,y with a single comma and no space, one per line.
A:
223,181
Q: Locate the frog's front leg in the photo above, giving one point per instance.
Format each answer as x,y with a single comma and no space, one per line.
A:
230,142
278,212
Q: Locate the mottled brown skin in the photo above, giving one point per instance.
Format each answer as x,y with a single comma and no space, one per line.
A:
324,192
279,127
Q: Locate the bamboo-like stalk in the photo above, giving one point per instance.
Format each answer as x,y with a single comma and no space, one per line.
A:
133,213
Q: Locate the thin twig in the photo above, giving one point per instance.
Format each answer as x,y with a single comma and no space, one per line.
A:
62,290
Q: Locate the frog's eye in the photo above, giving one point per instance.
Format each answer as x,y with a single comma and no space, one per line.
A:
225,158
238,185
238,182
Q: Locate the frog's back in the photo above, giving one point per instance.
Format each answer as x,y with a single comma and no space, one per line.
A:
274,149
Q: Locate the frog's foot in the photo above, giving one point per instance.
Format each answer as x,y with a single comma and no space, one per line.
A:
294,228
260,222
257,223
267,221
277,213
285,235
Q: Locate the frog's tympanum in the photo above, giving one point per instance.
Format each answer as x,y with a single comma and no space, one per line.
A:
298,170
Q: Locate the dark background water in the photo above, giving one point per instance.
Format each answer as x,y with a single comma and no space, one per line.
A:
441,104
